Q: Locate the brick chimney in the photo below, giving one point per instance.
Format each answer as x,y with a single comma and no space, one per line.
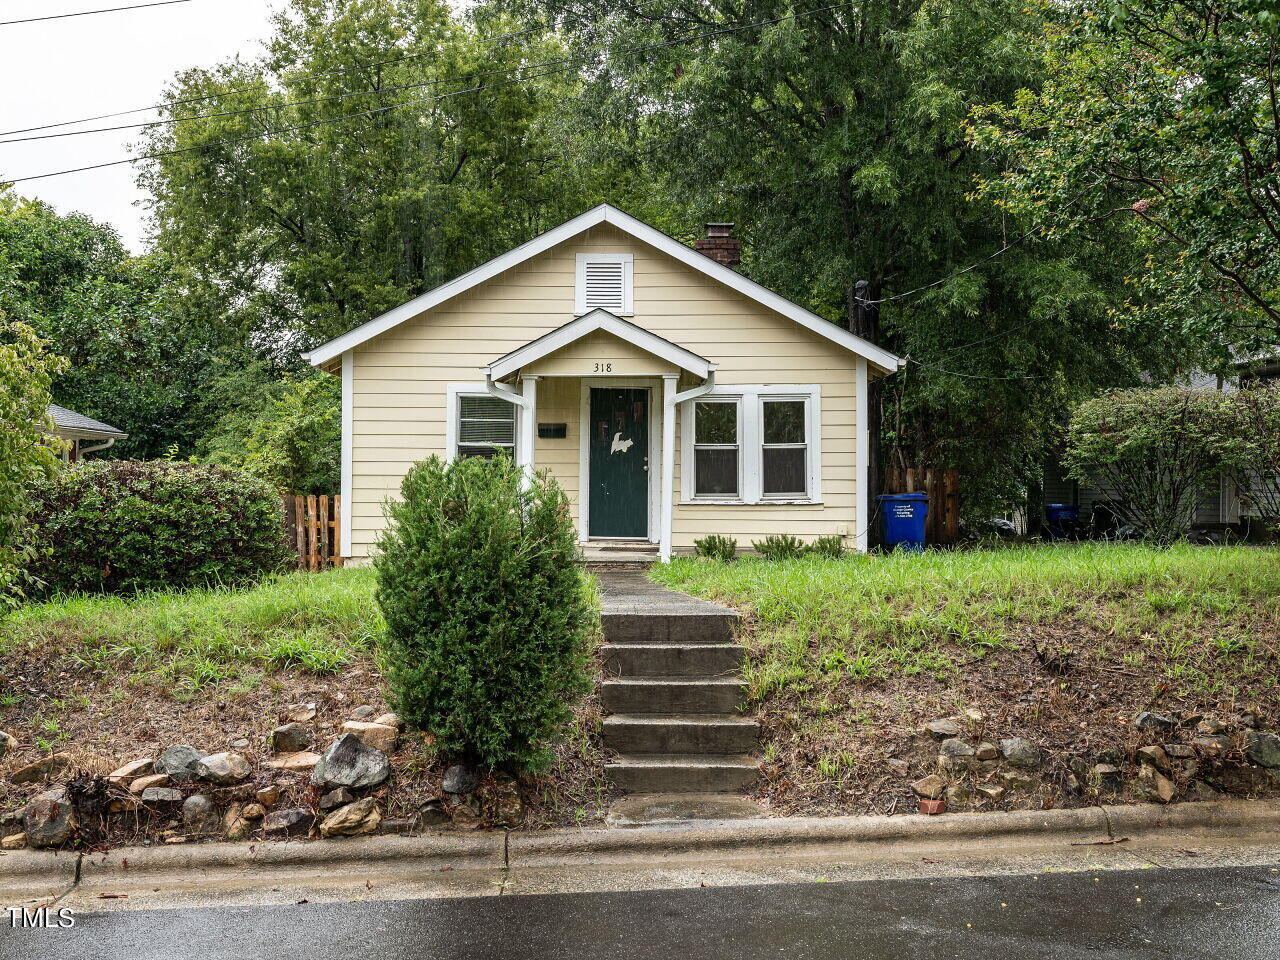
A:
720,245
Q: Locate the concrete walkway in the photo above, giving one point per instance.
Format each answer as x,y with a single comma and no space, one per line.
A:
631,592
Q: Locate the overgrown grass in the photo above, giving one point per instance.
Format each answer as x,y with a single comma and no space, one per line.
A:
192,638
1204,620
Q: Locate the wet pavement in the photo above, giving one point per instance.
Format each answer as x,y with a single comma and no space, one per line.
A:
1218,913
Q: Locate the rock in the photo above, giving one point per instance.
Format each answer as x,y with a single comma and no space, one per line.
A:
223,769
1153,785
161,795
1178,751
291,821
336,798
131,771
14,841
1155,722
49,820
291,738
1021,753
464,815
1105,775
508,805
459,779
352,820
1264,750
389,827
235,825
375,735
431,814
200,816
1212,745
300,712
958,796
269,796
124,805
1202,792
900,767
1013,780
8,743
942,729
46,768
179,762
364,712
992,791
974,714
351,763
152,780
1241,780
1209,727
930,787
986,751
301,762
955,748
239,743
389,720
1154,757
1249,720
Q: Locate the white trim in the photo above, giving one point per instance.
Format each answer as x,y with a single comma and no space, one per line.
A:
598,319
584,452
348,437
666,494
861,458
528,431
580,281
604,213
750,411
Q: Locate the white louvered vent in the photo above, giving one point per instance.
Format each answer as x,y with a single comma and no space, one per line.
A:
604,281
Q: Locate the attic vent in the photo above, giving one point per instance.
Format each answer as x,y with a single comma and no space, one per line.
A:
604,280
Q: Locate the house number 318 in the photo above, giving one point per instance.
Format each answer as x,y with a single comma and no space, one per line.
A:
604,367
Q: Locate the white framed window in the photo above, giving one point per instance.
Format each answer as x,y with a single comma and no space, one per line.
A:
717,452
479,424
753,444
604,281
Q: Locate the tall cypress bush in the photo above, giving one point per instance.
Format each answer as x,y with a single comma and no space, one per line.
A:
489,620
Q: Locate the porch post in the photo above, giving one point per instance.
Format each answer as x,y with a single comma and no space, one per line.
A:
862,458
528,427
668,463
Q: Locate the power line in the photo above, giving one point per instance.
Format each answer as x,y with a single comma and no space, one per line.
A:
89,13
563,64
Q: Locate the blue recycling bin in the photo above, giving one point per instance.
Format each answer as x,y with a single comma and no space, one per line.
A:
1060,519
903,516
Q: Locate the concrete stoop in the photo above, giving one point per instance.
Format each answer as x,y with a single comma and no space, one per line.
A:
672,690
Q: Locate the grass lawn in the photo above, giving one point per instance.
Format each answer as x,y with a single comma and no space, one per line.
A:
111,679
849,657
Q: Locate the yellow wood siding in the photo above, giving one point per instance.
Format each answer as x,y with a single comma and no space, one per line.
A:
400,381
599,354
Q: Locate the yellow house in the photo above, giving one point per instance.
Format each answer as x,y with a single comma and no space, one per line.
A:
669,395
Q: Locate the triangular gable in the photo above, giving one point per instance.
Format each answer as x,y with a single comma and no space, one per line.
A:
589,323
604,213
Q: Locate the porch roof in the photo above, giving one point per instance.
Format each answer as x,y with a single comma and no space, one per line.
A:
588,323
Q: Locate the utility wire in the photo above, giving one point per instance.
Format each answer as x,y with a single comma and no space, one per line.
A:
89,13
561,65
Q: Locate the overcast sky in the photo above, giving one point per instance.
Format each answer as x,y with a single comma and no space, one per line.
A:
81,66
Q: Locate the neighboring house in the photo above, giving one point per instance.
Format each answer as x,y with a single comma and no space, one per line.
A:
1220,505
83,434
670,396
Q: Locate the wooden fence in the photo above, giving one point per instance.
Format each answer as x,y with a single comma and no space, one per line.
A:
312,523
942,525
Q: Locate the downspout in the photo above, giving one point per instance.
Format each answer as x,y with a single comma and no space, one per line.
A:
670,404
107,445
502,392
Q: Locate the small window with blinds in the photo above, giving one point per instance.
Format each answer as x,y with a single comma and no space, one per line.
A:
486,426
604,282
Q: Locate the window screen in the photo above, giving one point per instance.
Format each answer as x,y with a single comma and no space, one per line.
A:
785,449
486,425
715,448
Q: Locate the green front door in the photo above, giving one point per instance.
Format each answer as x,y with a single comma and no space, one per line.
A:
619,463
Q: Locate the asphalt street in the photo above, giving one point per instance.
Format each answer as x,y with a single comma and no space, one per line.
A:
1218,913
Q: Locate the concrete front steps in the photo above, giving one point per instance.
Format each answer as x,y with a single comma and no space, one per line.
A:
673,693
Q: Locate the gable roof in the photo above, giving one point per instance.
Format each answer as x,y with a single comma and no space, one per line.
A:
69,421
604,213
588,323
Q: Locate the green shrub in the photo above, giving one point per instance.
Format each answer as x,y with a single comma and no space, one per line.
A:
779,547
832,546
127,525
27,448
489,616
1249,449
1153,450
716,547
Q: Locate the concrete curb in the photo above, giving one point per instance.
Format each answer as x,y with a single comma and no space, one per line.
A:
758,839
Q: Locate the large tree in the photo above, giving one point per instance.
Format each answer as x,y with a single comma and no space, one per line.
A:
834,134
374,151
1159,118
